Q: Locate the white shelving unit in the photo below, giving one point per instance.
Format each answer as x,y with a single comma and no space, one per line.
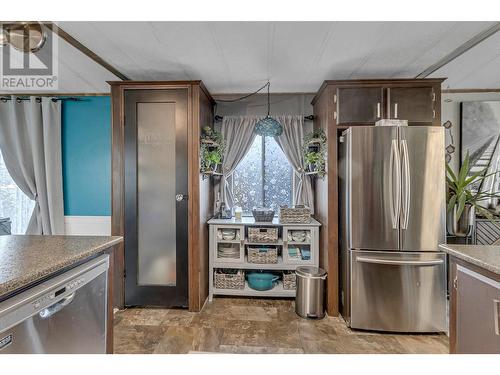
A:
284,244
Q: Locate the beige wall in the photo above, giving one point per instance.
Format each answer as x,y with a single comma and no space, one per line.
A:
281,104
450,110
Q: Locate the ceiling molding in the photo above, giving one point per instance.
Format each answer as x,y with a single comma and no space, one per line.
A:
86,51
460,50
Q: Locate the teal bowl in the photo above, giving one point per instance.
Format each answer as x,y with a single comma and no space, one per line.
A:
261,280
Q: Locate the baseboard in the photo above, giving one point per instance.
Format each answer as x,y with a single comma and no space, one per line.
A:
87,225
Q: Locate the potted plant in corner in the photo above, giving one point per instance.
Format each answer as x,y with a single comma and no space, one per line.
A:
463,201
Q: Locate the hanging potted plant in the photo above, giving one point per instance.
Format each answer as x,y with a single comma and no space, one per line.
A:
211,150
312,159
213,159
463,201
314,150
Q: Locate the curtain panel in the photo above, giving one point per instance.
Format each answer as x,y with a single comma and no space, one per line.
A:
238,134
290,142
30,142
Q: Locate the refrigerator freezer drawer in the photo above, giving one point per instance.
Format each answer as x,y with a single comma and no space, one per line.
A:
400,292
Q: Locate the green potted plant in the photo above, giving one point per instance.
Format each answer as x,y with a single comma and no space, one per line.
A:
211,150
314,149
213,159
312,160
463,201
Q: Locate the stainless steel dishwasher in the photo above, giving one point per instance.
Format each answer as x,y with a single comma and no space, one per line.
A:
65,314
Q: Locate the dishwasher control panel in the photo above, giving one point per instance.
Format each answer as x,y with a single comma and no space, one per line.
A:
48,298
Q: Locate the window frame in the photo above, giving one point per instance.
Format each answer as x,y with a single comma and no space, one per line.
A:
230,180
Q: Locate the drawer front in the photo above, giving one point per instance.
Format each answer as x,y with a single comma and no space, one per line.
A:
400,292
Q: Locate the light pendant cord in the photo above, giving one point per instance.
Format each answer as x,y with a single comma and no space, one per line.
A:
268,98
246,96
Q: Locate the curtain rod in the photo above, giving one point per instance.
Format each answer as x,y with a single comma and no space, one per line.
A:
219,118
19,99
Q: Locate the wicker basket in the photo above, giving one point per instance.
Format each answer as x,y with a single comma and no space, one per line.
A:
263,214
289,280
297,214
229,279
262,255
266,235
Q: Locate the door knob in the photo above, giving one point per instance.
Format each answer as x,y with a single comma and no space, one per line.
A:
181,197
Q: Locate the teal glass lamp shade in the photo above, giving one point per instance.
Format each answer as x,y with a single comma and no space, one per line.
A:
268,127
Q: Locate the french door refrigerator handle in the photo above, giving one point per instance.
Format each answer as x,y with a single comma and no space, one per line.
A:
407,193
394,206
433,262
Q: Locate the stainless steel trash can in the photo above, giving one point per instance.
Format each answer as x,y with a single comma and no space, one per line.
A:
309,300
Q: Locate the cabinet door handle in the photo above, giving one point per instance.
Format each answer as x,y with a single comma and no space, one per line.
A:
378,110
455,283
395,110
433,113
496,315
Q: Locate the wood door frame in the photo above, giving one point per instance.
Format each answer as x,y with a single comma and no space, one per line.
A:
195,89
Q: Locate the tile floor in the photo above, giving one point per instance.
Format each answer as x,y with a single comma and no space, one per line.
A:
239,325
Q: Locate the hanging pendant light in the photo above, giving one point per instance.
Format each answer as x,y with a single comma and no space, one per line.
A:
268,127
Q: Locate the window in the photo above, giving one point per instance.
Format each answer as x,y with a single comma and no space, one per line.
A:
264,178
14,204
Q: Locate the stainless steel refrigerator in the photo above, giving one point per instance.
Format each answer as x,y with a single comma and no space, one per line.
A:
392,218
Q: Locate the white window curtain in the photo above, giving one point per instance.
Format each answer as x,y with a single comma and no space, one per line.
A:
30,143
238,133
290,142
14,204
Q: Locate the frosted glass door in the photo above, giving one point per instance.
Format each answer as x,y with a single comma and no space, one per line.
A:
156,194
156,198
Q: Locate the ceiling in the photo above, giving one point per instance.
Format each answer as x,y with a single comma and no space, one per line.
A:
237,57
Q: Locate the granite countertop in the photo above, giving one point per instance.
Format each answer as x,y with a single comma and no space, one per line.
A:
487,257
27,259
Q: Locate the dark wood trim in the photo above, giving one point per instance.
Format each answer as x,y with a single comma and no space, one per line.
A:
325,203
153,85
111,302
85,50
467,91
195,89
452,318
53,95
118,190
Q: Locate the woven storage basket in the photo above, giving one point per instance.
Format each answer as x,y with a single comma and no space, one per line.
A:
263,214
263,235
262,255
297,214
225,280
289,280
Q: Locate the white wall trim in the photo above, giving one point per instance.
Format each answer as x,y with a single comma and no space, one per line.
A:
88,225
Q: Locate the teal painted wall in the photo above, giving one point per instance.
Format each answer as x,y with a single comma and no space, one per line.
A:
86,153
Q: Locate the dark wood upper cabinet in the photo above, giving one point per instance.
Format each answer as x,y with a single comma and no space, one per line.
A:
359,105
415,104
